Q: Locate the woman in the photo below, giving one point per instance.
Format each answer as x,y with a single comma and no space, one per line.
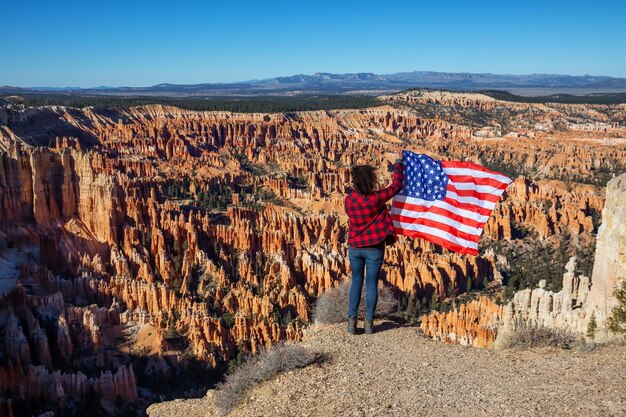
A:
370,229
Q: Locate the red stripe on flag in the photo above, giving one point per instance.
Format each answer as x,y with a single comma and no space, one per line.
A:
469,207
475,179
436,225
467,165
439,241
473,193
437,210
478,181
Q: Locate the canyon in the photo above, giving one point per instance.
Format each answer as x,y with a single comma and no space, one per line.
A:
580,301
145,250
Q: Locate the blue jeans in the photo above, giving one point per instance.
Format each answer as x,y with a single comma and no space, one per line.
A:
365,262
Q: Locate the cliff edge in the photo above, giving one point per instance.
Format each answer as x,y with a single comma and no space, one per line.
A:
398,371
609,268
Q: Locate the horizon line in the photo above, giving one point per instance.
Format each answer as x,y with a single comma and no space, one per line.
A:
253,80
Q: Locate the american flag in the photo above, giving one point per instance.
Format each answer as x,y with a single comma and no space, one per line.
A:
446,202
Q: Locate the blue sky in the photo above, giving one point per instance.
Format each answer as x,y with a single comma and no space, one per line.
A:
139,43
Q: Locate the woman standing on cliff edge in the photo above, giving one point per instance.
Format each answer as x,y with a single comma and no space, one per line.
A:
370,230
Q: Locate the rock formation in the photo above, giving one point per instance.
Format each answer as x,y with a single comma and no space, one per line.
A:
472,324
569,309
572,307
609,268
565,309
136,241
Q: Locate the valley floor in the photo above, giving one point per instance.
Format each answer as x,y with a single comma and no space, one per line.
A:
398,371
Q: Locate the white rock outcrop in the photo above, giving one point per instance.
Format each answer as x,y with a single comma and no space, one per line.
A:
572,307
609,268
564,309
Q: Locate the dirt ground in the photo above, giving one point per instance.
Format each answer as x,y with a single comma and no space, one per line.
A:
397,371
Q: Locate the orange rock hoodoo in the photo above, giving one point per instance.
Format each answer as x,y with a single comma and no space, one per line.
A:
221,229
472,324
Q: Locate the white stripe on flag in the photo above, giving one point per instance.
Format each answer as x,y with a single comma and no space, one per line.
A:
436,232
470,200
477,174
480,188
458,221
444,205
438,218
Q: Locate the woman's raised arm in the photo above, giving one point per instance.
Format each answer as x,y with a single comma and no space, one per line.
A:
396,185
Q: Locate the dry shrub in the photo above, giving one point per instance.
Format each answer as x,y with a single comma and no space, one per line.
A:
258,368
528,336
332,306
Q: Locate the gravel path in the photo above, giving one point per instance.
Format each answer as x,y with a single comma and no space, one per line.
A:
398,371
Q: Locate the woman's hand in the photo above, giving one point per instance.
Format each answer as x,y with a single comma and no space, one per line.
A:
394,157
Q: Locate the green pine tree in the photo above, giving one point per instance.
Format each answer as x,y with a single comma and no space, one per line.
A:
409,308
400,303
418,307
288,318
433,303
591,327
617,320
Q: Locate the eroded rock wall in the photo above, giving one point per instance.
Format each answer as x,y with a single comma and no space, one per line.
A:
569,309
609,268
177,235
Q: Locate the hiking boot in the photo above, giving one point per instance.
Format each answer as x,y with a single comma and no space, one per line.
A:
352,325
369,326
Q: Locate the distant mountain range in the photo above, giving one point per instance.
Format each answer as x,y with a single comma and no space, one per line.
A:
360,83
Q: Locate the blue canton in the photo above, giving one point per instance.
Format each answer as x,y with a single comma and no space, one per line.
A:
423,177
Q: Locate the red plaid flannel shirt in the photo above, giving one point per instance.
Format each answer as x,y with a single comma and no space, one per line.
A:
369,220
